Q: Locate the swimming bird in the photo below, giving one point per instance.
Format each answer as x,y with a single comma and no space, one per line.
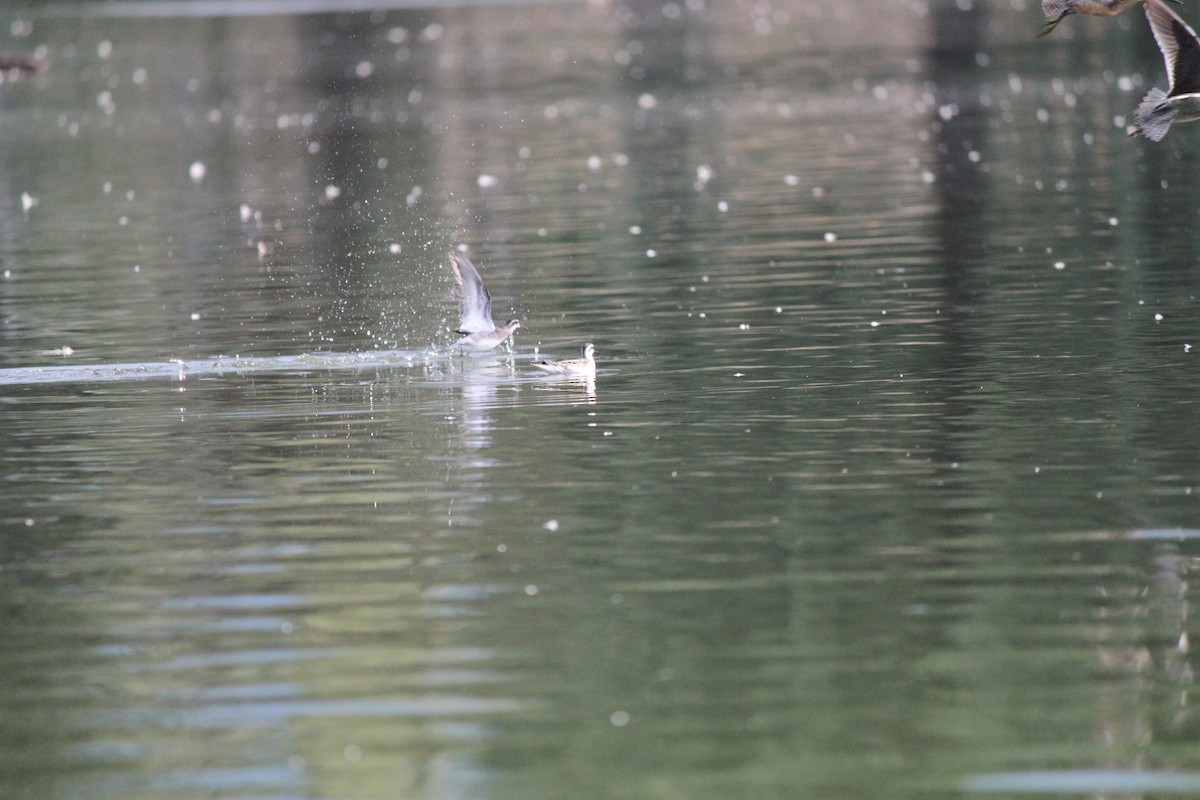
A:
1181,52
581,367
1056,10
475,310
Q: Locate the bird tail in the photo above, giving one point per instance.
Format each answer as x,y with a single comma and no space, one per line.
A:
1055,12
1153,116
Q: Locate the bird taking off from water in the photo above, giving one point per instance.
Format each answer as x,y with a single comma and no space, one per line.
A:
475,310
1056,10
1181,52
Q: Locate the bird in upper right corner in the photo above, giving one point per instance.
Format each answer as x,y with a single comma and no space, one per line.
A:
1181,52
1056,10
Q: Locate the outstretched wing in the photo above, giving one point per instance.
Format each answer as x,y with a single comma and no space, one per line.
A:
1179,46
475,304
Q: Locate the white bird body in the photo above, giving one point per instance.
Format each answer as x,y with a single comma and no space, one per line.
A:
581,367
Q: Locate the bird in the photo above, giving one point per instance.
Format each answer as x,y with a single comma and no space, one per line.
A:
475,310
1181,52
18,64
580,367
1056,10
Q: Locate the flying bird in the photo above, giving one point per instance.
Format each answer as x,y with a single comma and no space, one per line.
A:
1056,10
1181,52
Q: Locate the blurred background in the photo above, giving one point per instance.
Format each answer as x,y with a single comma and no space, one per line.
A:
886,486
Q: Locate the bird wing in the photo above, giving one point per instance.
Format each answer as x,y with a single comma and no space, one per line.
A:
1179,45
475,304
1054,9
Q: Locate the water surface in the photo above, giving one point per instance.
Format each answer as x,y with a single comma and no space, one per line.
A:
886,486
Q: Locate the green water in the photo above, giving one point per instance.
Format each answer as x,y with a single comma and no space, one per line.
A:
886,486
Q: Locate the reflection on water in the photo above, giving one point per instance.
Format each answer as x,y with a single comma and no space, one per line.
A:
885,486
